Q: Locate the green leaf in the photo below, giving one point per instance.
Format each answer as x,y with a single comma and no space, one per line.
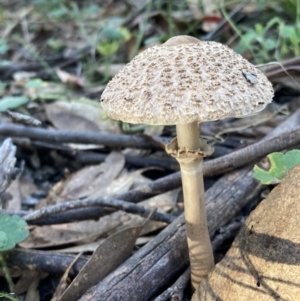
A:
288,31
3,240
12,102
270,44
35,83
245,42
108,48
112,33
280,165
3,46
12,230
259,29
2,87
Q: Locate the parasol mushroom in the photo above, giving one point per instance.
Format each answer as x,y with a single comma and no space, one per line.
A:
184,82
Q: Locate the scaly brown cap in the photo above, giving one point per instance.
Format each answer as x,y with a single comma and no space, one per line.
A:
186,80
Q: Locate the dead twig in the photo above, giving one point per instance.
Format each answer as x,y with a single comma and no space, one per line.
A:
94,158
175,291
252,152
113,203
47,261
115,141
227,232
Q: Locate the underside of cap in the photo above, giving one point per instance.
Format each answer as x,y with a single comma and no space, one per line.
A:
182,82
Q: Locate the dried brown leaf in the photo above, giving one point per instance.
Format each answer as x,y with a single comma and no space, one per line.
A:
63,283
80,116
50,236
88,181
69,79
110,254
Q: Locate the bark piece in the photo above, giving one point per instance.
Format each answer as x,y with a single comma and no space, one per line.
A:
264,260
7,169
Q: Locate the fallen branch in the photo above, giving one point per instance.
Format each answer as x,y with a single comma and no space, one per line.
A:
175,291
95,158
113,203
47,261
110,140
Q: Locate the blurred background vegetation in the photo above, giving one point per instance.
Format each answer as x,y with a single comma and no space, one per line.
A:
68,50
115,31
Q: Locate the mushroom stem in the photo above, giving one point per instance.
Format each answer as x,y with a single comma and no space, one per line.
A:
191,166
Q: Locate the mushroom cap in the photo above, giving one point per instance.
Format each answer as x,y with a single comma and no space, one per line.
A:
186,80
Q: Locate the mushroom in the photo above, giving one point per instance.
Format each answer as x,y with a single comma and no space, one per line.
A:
184,82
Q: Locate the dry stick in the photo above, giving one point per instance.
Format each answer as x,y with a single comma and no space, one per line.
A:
175,291
168,249
169,245
89,157
164,162
117,204
220,25
252,152
48,261
229,231
115,141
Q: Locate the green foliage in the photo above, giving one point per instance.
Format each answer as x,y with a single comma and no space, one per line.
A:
272,38
8,297
12,102
2,88
63,10
56,9
3,240
12,230
55,44
3,46
259,41
111,39
290,42
280,165
108,48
